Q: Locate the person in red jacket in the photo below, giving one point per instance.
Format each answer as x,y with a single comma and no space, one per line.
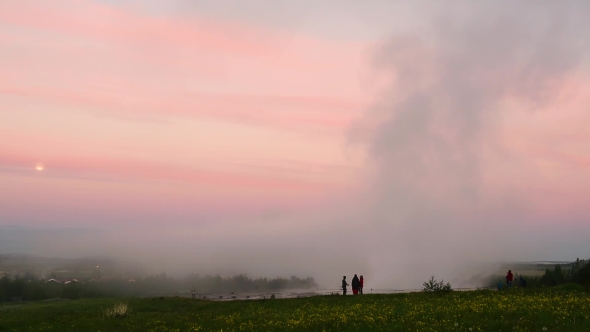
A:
361,283
509,278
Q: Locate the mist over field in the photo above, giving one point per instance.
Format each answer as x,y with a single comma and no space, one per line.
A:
393,140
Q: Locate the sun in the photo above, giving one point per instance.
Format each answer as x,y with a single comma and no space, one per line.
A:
39,167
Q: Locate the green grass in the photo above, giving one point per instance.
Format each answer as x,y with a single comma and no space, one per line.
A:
558,309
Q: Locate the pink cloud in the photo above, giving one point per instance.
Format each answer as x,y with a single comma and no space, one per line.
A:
43,199
109,190
279,111
101,21
136,169
119,60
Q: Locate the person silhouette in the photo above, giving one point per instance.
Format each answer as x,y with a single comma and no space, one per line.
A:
344,284
355,285
361,284
509,278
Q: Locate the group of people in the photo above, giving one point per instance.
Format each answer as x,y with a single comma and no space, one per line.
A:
510,280
357,285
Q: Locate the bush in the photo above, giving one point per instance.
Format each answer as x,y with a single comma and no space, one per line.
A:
434,286
118,310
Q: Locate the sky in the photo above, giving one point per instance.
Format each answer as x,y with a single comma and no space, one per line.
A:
398,139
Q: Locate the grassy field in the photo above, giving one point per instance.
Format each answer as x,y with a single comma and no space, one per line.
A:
565,308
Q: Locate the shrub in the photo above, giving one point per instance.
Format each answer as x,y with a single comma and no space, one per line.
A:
435,286
118,310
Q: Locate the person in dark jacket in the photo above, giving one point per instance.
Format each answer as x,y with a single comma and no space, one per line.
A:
344,284
355,285
361,284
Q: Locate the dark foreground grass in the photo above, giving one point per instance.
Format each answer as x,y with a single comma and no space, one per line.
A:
561,309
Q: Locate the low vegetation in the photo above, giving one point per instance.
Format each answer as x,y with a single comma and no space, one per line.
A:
119,309
561,308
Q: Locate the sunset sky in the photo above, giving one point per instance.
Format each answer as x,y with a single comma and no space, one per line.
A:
132,106
185,113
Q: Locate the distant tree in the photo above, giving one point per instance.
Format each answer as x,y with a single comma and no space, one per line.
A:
558,275
436,286
582,274
553,278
